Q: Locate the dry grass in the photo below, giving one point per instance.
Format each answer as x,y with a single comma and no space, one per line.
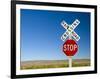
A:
43,64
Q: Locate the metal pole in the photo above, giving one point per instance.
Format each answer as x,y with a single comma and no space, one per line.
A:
70,57
70,61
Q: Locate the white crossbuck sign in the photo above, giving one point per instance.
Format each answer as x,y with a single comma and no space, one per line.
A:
70,30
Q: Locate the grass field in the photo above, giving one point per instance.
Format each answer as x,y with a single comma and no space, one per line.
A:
42,64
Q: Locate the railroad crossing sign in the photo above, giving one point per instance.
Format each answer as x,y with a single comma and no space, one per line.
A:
70,30
70,47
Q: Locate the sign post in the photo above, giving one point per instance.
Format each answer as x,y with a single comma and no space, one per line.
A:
70,61
70,46
70,57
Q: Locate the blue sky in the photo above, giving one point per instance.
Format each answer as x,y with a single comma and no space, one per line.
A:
41,32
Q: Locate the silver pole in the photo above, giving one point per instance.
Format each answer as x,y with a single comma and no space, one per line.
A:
70,61
70,57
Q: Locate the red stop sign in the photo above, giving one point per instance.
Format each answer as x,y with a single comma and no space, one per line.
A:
70,47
